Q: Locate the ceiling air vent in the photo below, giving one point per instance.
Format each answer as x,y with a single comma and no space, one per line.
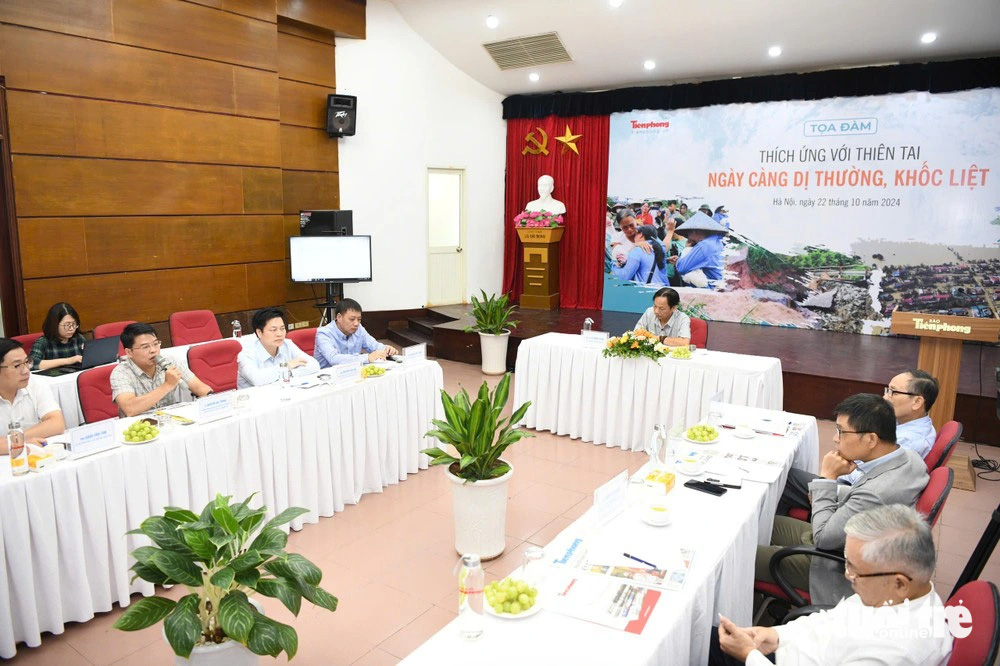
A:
528,51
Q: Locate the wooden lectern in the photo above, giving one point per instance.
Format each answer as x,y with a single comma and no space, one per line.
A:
541,267
941,338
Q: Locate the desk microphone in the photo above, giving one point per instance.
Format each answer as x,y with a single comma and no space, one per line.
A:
164,364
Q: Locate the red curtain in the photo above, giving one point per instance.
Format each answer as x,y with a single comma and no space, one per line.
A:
581,182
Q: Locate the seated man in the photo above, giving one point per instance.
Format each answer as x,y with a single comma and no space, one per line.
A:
700,265
866,432
261,358
893,617
672,326
345,340
911,395
145,380
23,401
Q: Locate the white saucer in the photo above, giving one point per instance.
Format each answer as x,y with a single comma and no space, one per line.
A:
507,616
694,441
749,435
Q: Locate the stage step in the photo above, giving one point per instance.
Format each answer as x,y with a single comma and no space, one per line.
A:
424,325
404,336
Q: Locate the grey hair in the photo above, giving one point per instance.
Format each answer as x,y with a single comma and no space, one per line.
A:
897,537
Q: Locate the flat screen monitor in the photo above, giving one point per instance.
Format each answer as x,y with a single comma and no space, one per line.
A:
326,222
331,258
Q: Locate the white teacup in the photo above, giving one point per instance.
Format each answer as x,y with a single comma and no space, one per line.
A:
657,512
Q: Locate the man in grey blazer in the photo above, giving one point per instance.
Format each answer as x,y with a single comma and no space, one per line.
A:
891,474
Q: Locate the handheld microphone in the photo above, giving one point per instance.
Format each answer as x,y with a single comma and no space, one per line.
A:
164,364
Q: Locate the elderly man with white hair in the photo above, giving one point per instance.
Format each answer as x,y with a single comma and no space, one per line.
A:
894,617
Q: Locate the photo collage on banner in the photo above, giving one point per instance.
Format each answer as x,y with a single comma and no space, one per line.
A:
826,214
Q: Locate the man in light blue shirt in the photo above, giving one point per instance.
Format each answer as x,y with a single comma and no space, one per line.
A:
345,340
260,361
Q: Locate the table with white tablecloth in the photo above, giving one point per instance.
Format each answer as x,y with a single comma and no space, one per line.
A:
722,531
63,551
575,391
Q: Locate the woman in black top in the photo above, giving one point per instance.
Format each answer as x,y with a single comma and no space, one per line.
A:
61,342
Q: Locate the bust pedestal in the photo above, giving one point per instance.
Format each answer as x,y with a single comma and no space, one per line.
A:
541,267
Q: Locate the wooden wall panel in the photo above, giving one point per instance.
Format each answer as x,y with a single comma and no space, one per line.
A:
307,149
302,30
44,61
87,19
68,187
79,246
346,17
182,27
261,193
59,125
307,190
305,60
303,104
143,296
266,284
264,10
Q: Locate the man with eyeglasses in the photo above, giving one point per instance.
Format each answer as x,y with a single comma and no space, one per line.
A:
23,401
894,616
260,361
866,433
139,384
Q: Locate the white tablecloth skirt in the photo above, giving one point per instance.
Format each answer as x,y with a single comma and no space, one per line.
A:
63,550
577,392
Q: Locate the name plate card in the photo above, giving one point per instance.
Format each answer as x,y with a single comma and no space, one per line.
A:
610,499
93,438
594,339
415,353
214,407
346,372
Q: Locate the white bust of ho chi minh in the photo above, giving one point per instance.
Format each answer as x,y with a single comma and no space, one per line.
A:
545,201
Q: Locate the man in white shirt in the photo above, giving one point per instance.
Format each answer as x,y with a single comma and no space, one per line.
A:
23,401
260,361
665,320
894,617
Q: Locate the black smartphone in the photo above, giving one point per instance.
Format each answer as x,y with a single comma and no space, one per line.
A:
706,487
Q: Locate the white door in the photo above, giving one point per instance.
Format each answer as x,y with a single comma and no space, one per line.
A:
445,236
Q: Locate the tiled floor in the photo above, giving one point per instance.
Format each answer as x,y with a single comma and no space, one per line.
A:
389,558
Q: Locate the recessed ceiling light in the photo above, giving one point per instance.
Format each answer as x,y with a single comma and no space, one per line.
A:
492,22
774,51
533,77
616,3
649,64
928,37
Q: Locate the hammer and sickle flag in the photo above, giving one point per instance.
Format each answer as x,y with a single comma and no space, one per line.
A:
536,147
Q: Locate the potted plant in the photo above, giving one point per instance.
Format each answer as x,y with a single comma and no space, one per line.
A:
493,323
223,556
478,474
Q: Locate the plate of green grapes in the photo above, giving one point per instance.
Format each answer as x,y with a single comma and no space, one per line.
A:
511,599
141,431
702,434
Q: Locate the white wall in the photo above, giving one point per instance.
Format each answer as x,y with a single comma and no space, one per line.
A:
416,110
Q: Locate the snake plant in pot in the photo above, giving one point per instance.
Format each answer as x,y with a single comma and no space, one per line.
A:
224,556
478,474
493,323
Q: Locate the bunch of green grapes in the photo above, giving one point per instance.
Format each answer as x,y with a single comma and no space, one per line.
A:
510,596
372,371
702,433
141,431
680,352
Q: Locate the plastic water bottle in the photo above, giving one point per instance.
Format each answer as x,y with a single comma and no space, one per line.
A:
19,453
470,597
285,375
237,328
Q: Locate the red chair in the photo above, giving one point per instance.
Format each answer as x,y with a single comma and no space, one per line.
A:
982,645
94,389
27,341
944,445
931,500
304,339
114,329
699,333
191,326
799,514
215,363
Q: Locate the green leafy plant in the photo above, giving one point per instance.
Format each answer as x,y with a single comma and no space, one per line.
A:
492,314
633,344
223,556
477,432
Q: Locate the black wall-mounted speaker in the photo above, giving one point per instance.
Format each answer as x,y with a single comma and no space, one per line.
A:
341,115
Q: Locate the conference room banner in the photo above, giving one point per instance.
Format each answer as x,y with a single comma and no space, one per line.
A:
825,214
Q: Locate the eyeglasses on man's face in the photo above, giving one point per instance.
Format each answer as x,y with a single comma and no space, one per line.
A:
19,366
149,346
852,575
889,391
841,432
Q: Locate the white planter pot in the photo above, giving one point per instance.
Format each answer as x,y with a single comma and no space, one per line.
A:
494,348
226,653
480,515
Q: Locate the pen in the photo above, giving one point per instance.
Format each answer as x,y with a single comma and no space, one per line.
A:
633,557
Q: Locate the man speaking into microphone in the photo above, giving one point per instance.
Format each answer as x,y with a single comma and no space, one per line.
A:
145,380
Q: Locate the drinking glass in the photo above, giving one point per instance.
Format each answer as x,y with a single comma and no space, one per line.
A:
533,566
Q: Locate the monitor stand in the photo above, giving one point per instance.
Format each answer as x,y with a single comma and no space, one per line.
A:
334,294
